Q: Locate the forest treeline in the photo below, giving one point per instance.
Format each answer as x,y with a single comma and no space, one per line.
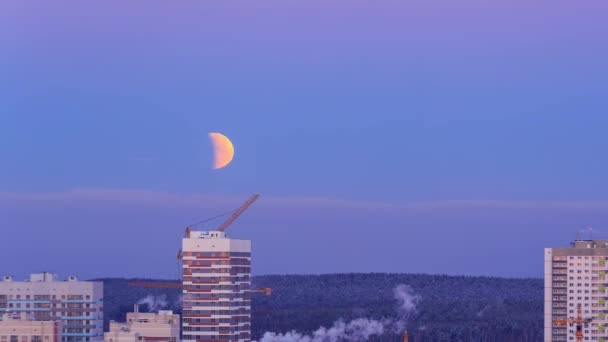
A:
448,308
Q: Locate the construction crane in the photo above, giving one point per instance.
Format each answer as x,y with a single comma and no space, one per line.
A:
579,321
173,285
222,227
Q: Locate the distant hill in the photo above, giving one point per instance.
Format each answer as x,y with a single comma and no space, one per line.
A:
450,308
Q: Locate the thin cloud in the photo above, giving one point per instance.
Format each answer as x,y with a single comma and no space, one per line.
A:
167,199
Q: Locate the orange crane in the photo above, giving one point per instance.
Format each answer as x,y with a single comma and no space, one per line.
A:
179,286
579,321
222,227
238,212
174,285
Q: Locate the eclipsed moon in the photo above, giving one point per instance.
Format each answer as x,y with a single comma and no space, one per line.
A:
223,150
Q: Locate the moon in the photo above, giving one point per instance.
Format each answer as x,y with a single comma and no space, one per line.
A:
223,150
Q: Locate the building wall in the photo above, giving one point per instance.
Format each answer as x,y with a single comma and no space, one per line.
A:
548,267
26,330
217,288
77,304
120,336
576,276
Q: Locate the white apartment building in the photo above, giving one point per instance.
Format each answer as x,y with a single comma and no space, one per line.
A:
216,288
145,326
576,276
23,328
78,305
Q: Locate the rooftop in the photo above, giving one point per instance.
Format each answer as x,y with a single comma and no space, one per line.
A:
44,277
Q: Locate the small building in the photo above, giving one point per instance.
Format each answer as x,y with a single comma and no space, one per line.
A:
145,326
23,328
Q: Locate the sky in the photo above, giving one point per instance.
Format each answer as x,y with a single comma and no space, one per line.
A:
435,136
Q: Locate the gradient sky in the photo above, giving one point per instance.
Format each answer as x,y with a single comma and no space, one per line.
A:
433,136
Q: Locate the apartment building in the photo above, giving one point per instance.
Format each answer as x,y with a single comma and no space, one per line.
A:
23,328
575,280
216,288
145,326
78,305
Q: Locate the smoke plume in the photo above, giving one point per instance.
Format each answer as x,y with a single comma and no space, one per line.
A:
406,306
360,329
154,303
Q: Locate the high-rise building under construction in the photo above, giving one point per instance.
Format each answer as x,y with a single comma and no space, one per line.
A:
575,292
216,288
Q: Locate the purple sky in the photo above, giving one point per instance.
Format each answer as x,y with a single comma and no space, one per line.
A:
472,133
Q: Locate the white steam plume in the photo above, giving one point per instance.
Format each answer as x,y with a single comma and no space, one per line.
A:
406,306
360,329
154,303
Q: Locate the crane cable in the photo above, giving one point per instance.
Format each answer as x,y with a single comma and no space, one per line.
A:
213,218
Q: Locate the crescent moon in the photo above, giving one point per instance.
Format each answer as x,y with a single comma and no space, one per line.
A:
223,150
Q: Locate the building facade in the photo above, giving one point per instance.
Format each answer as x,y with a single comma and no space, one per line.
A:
78,305
216,288
21,328
575,277
145,326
